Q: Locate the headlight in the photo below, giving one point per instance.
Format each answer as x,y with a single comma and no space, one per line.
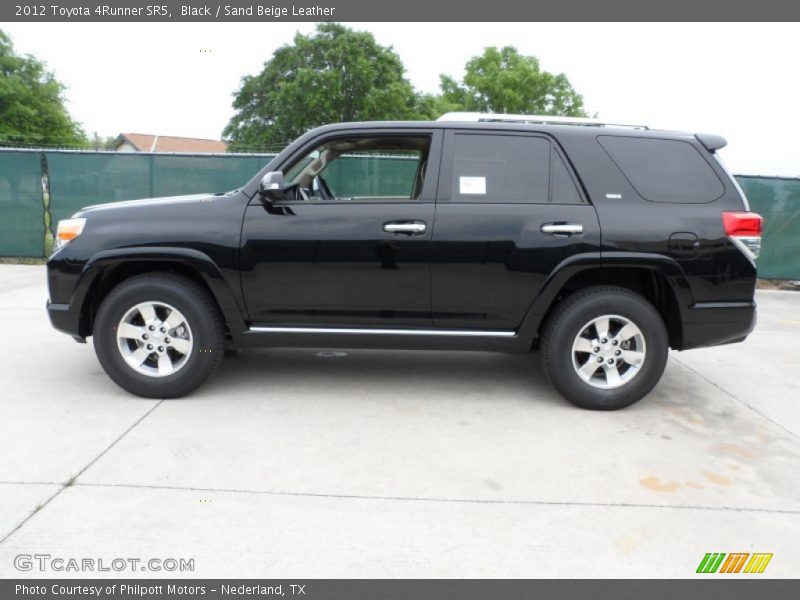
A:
68,230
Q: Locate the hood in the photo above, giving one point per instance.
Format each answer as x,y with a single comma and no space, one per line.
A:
151,203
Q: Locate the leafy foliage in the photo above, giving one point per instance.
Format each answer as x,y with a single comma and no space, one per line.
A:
504,81
338,74
32,110
432,106
335,75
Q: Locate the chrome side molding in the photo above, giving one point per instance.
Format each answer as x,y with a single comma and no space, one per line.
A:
355,331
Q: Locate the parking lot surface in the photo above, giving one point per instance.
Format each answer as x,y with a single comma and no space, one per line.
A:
310,463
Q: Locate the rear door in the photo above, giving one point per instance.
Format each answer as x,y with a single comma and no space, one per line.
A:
509,211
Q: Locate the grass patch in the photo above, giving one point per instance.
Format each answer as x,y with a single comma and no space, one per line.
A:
22,260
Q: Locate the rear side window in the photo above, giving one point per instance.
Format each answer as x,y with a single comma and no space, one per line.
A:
509,169
664,170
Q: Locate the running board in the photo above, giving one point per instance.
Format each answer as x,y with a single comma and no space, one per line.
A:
411,332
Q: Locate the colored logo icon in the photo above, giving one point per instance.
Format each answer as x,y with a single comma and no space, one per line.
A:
734,562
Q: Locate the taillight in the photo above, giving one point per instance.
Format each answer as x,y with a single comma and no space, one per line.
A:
744,230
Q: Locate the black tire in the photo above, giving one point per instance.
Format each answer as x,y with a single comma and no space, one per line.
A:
568,320
201,314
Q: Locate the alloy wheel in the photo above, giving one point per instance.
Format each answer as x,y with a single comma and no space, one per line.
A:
608,351
154,339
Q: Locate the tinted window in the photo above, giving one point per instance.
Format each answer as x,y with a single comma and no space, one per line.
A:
563,189
500,168
373,174
664,170
369,168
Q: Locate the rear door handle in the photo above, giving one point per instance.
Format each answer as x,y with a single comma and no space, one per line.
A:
562,228
405,227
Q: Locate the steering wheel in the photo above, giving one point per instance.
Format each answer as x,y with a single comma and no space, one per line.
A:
324,188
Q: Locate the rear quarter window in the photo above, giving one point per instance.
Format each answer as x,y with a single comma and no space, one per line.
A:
664,170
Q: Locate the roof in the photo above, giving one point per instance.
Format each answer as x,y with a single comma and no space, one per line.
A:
558,129
146,142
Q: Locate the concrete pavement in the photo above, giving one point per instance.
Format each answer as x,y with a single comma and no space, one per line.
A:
297,463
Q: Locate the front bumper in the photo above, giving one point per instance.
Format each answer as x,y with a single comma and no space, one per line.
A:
65,319
717,323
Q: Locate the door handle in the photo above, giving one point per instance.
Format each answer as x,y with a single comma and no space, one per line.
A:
562,228
405,227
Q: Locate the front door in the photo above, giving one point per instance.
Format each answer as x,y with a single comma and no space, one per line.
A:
509,211
349,245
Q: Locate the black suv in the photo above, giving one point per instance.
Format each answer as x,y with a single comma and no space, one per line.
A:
601,246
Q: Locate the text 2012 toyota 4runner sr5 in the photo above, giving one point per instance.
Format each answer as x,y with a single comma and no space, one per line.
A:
600,245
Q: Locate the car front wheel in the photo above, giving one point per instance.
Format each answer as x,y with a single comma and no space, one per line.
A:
159,335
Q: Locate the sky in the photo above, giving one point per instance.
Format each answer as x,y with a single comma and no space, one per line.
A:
737,80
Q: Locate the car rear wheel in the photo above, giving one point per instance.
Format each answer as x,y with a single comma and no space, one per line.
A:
604,347
159,335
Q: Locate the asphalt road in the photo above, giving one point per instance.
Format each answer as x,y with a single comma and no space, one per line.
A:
301,463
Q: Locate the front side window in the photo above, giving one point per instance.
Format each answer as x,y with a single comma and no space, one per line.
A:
361,169
663,170
509,169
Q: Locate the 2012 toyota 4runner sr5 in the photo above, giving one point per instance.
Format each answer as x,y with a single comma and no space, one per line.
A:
601,246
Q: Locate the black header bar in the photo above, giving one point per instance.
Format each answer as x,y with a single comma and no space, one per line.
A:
404,10
711,587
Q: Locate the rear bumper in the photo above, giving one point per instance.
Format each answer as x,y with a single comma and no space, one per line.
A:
65,319
717,323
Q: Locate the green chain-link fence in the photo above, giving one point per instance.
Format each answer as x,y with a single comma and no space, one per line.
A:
78,179
778,201
371,176
22,226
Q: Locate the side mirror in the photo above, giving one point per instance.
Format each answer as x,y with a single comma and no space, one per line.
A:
272,186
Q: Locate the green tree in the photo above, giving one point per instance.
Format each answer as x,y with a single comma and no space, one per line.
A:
334,75
32,110
505,81
429,107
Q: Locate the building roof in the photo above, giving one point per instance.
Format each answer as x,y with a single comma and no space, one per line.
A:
145,142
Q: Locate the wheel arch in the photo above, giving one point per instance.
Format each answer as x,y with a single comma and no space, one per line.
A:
658,278
108,269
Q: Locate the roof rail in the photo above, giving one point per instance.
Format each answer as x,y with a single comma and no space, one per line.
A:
477,117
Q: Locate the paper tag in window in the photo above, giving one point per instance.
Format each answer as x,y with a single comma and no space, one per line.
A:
472,185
